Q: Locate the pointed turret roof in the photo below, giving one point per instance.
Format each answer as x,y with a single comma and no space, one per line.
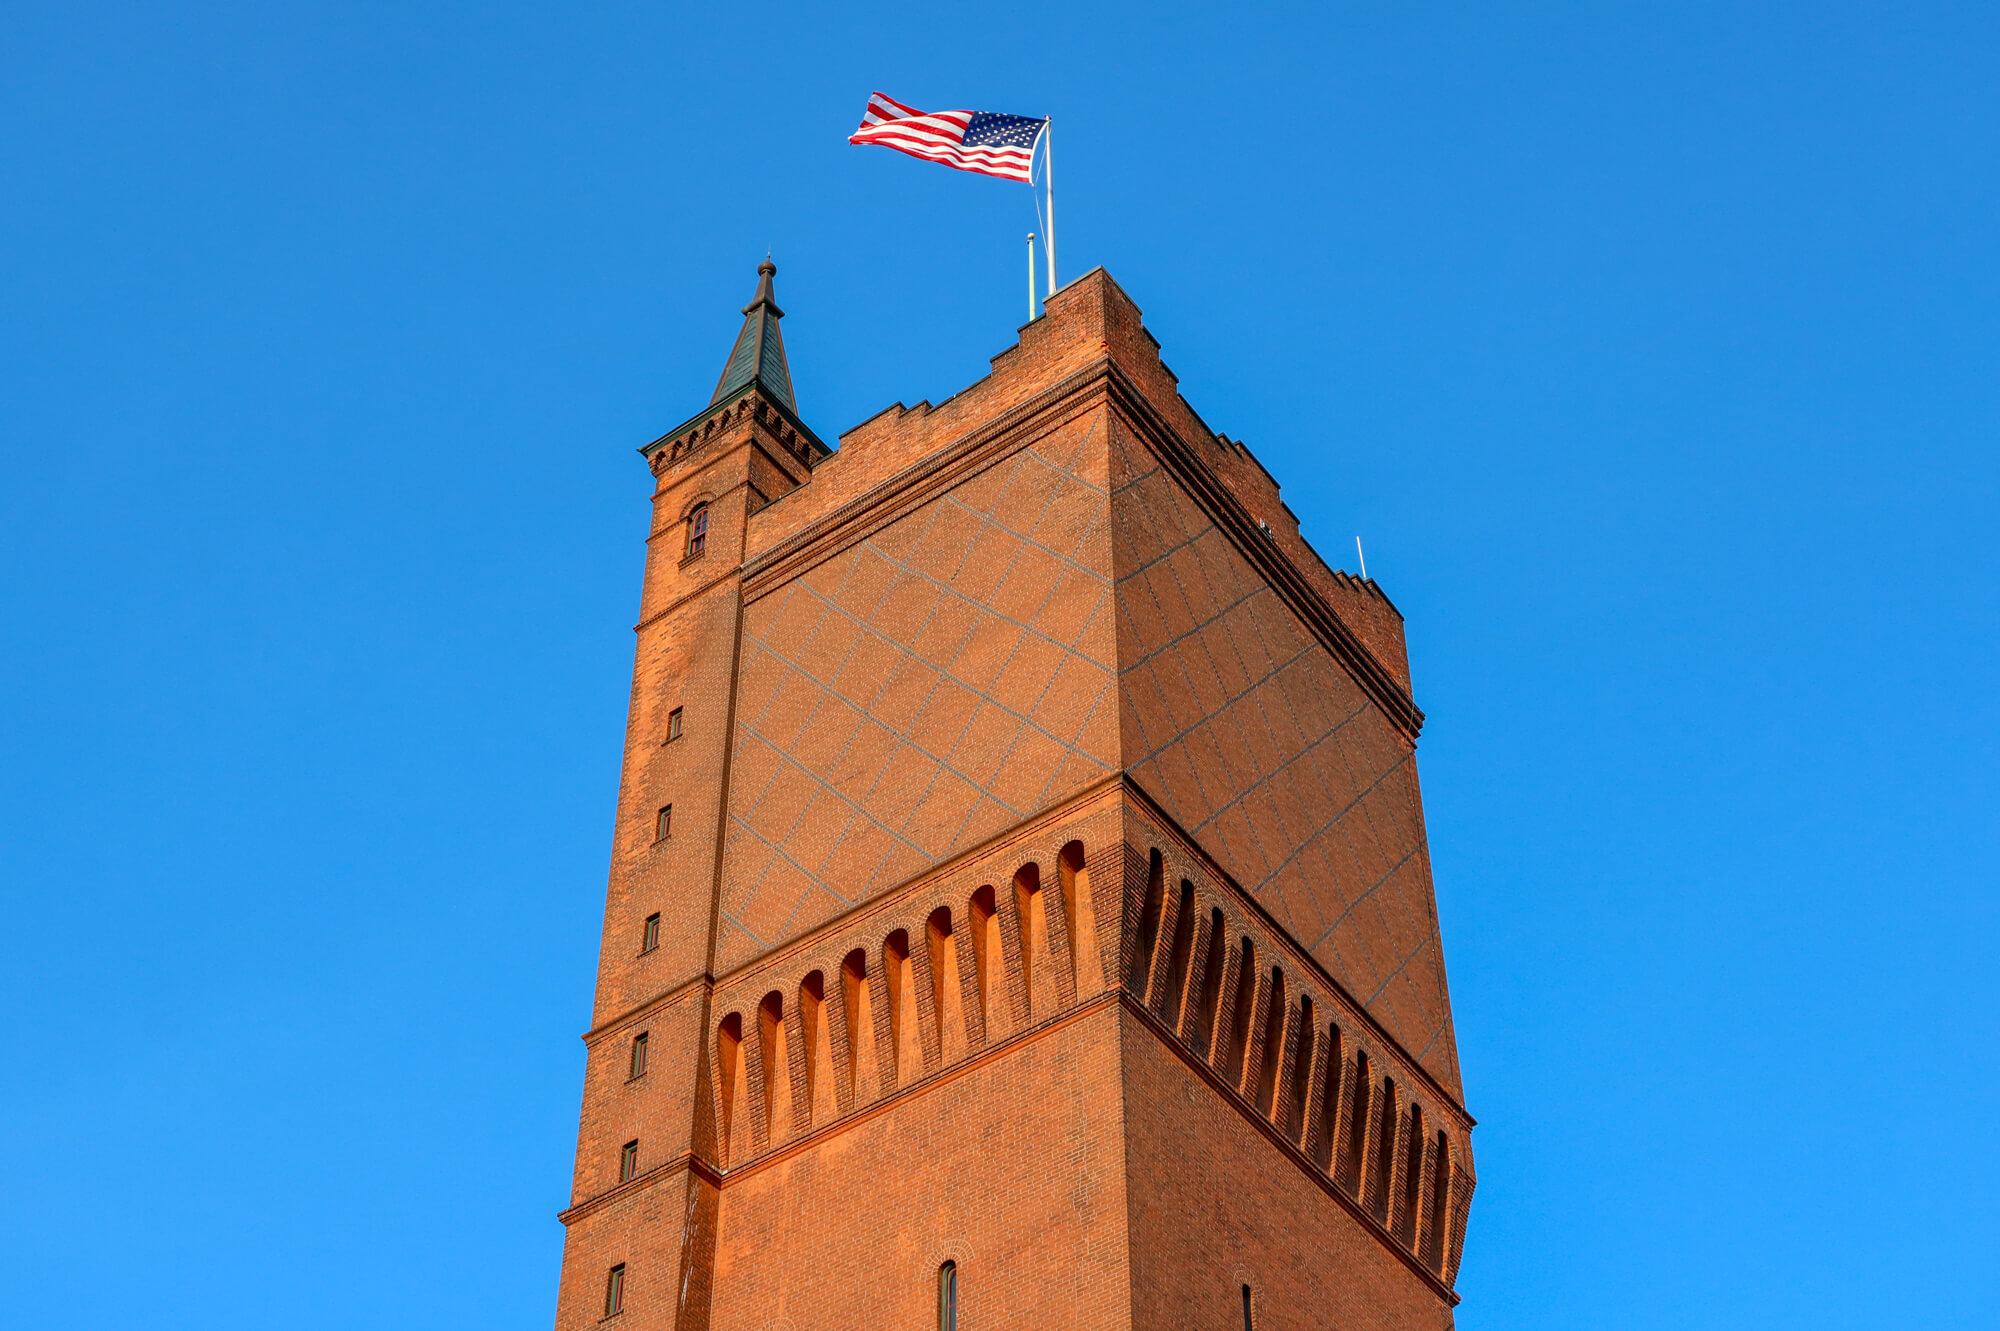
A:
756,364
759,354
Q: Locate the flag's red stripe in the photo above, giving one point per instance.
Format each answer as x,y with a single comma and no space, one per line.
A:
894,132
938,136
887,100
955,160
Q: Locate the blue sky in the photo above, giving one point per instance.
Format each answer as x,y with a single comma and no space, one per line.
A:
1651,350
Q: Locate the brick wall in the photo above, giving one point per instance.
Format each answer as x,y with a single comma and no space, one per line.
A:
1046,888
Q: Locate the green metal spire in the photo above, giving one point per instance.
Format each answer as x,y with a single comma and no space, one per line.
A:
759,354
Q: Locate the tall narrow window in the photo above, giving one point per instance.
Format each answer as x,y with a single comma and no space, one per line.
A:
948,1297
1413,1180
697,531
905,1046
1382,1169
1440,1203
1075,880
673,725
638,1068
1241,1013
1177,957
1249,1311
1038,978
945,991
1329,1101
628,1162
1357,1127
775,1063
651,938
1149,927
1211,986
816,1043
861,1080
986,960
614,1290
663,823
1297,1100
733,1131
1274,1045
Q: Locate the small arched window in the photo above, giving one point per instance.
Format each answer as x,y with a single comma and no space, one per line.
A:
697,531
948,1297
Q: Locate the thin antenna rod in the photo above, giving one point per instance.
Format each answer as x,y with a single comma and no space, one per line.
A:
1363,558
1031,277
1049,184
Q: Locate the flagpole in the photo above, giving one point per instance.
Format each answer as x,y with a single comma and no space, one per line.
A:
1049,183
1031,277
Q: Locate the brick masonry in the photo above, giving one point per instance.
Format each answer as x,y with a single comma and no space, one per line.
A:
1045,888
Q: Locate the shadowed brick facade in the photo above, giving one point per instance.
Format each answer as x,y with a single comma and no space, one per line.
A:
1045,888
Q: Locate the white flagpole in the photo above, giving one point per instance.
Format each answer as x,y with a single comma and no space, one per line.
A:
1049,183
1031,277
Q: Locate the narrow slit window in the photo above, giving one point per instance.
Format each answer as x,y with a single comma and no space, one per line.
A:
1440,1203
1037,977
1240,1014
1074,878
986,947
1329,1101
1382,1172
673,725
1177,957
860,1070
816,1043
947,1006
697,531
1357,1126
628,1162
638,1056
1149,927
905,1044
663,823
733,1101
614,1290
651,938
775,1063
1413,1179
1249,1310
948,1297
1211,986
1299,1098
1274,1044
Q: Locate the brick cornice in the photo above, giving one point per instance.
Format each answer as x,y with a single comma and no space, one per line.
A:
684,1163
1117,997
1248,1113
1235,522
923,481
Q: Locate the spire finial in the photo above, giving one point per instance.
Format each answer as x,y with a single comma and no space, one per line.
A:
759,354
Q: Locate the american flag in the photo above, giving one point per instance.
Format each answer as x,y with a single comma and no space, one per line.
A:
983,141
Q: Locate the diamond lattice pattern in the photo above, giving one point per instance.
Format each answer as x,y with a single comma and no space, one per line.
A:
923,690
1258,742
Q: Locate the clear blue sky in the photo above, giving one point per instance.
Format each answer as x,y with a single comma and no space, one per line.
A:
1651,349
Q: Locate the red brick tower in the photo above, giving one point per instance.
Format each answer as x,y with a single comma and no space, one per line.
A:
1020,914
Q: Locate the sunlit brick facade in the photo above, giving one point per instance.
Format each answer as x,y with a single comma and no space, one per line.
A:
1044,892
